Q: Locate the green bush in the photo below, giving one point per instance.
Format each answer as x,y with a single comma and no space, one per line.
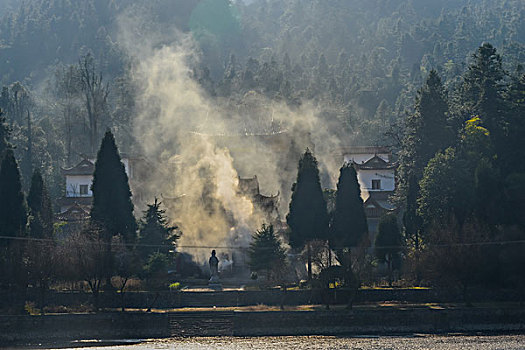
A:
175,286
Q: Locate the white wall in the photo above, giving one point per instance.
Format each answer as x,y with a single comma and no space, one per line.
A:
73,183
386,176
361,158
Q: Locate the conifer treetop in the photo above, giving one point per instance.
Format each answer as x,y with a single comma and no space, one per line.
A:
112,207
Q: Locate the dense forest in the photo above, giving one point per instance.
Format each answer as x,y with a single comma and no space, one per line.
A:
361,62
441,83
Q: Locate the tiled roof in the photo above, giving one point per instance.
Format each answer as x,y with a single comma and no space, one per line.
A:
85,167
69,201
375,163
249,185
366,150
74,213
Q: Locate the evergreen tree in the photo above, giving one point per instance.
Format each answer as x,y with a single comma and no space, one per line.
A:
13,219
39,203
156,235
413,227
26,164
485,72
308,216
112,208
4,135
439,187
427,131
411,219
266,253
515,110
13,211
41,256
388,242
482,95
349,226
448,186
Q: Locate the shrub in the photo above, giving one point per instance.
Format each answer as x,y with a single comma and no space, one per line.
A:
175,286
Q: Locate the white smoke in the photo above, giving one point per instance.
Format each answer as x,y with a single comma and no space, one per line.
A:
199,144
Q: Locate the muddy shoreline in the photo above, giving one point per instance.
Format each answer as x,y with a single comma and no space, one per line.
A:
128,326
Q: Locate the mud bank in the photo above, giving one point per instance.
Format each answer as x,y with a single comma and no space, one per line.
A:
137,325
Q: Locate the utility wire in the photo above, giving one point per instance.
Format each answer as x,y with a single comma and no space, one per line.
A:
469,244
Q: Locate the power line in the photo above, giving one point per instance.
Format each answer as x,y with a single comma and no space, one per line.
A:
468,244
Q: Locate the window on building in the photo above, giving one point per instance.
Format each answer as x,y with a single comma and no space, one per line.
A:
83,190
376,184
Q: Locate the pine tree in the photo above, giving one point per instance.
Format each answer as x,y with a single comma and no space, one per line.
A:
266,253
486,71
308,216
427,132
39,203
112,208
156,235
482,92
349,226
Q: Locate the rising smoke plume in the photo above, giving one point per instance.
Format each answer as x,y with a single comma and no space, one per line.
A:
200,145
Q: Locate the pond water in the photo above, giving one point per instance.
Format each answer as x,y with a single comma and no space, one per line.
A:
419,342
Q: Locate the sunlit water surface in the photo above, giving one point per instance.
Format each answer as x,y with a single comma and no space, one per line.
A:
435,342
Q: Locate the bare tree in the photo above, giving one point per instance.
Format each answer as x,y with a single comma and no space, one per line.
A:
67,89
127,265
84,253
41,263
96,95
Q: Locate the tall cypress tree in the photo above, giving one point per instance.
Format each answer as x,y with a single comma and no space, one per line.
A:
308,216
349,226
39,204
112,208
13,219
13,212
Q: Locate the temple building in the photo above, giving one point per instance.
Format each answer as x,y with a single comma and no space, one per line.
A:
268,205
376,176
75,205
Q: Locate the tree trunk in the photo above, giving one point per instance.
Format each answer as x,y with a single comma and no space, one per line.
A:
390,278
123,286
43,289
309,250
154,301
329,254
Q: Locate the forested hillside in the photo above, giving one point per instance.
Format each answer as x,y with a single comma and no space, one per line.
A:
361,62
